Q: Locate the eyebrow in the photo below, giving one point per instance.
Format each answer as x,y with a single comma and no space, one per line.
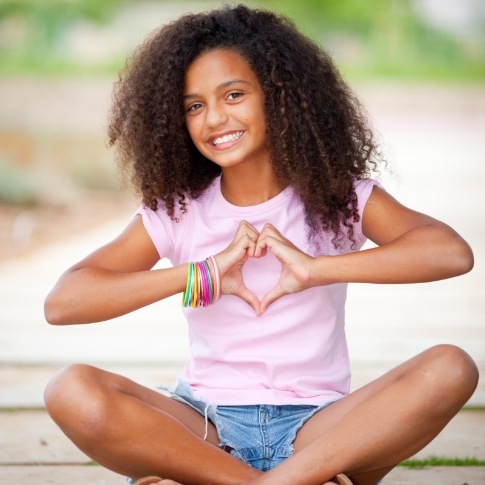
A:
222,85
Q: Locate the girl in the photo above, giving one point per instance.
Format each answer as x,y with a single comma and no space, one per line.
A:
252,158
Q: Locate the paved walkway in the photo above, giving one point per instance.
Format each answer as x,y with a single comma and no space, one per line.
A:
439,157
37,452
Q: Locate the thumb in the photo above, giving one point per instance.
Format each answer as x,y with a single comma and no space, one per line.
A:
250,298
275,294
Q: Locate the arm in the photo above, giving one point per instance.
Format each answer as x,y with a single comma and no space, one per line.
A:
118,279
412,248
112,281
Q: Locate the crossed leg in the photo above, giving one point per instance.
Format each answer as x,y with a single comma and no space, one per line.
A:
371,430
135,431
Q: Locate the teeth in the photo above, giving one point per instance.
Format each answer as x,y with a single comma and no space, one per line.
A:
226,138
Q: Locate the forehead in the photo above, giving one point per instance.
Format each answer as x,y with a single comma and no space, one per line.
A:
215,67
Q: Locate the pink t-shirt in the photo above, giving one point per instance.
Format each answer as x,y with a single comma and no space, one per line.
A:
296,352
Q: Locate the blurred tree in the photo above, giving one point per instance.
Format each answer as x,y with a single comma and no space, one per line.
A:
32,31
63,10
384,37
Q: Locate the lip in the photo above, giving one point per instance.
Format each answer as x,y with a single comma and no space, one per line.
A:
228,144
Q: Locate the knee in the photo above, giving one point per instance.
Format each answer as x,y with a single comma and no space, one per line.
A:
75,399
452,370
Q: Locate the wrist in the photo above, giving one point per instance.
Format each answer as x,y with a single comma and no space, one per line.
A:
323,272
215,276
202,283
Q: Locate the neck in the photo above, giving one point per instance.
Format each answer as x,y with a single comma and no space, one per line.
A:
249,189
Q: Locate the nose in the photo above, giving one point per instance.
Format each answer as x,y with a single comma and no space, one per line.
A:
216,115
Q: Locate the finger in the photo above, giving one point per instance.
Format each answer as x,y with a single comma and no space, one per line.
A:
261,252
285,251
270,230
248,244
237,252
245,228
259,249
250,298
275,294
276,245
261,245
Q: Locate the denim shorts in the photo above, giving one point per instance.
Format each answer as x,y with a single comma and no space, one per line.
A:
261,435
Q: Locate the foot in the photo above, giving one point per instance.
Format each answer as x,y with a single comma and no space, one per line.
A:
153,480
342,479
149,480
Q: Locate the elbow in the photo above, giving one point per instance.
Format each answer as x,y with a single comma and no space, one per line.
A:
64,304
467,262
54,311
462,260
53,316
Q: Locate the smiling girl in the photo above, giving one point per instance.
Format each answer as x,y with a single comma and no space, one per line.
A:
253,160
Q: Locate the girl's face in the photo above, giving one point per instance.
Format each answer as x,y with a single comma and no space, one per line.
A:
224,106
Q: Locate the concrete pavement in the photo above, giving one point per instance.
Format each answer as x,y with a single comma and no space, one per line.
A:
33,450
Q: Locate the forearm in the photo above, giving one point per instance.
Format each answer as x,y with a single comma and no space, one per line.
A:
427,253
88,295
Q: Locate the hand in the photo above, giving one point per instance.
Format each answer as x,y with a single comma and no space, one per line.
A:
296,265
231,261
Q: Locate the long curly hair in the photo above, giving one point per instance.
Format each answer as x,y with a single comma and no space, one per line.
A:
318,135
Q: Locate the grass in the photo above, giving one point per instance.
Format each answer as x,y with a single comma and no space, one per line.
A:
442,461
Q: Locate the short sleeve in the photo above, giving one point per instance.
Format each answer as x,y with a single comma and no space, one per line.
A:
159,227
363,189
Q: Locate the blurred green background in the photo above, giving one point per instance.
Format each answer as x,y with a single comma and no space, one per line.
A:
425,39
59,58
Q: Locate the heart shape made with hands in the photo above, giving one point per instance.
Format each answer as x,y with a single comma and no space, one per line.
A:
249,245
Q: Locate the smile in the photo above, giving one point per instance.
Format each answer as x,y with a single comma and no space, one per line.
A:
227,138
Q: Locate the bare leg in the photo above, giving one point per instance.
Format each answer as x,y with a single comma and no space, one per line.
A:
136,431
373,429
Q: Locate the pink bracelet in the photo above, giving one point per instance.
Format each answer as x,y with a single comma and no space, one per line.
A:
204,291
217,283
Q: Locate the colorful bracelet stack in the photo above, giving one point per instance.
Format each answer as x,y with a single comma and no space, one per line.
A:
203,285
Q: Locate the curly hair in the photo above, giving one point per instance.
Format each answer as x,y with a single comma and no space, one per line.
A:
318,136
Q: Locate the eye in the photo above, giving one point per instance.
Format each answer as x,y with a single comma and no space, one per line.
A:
194,107
234,95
